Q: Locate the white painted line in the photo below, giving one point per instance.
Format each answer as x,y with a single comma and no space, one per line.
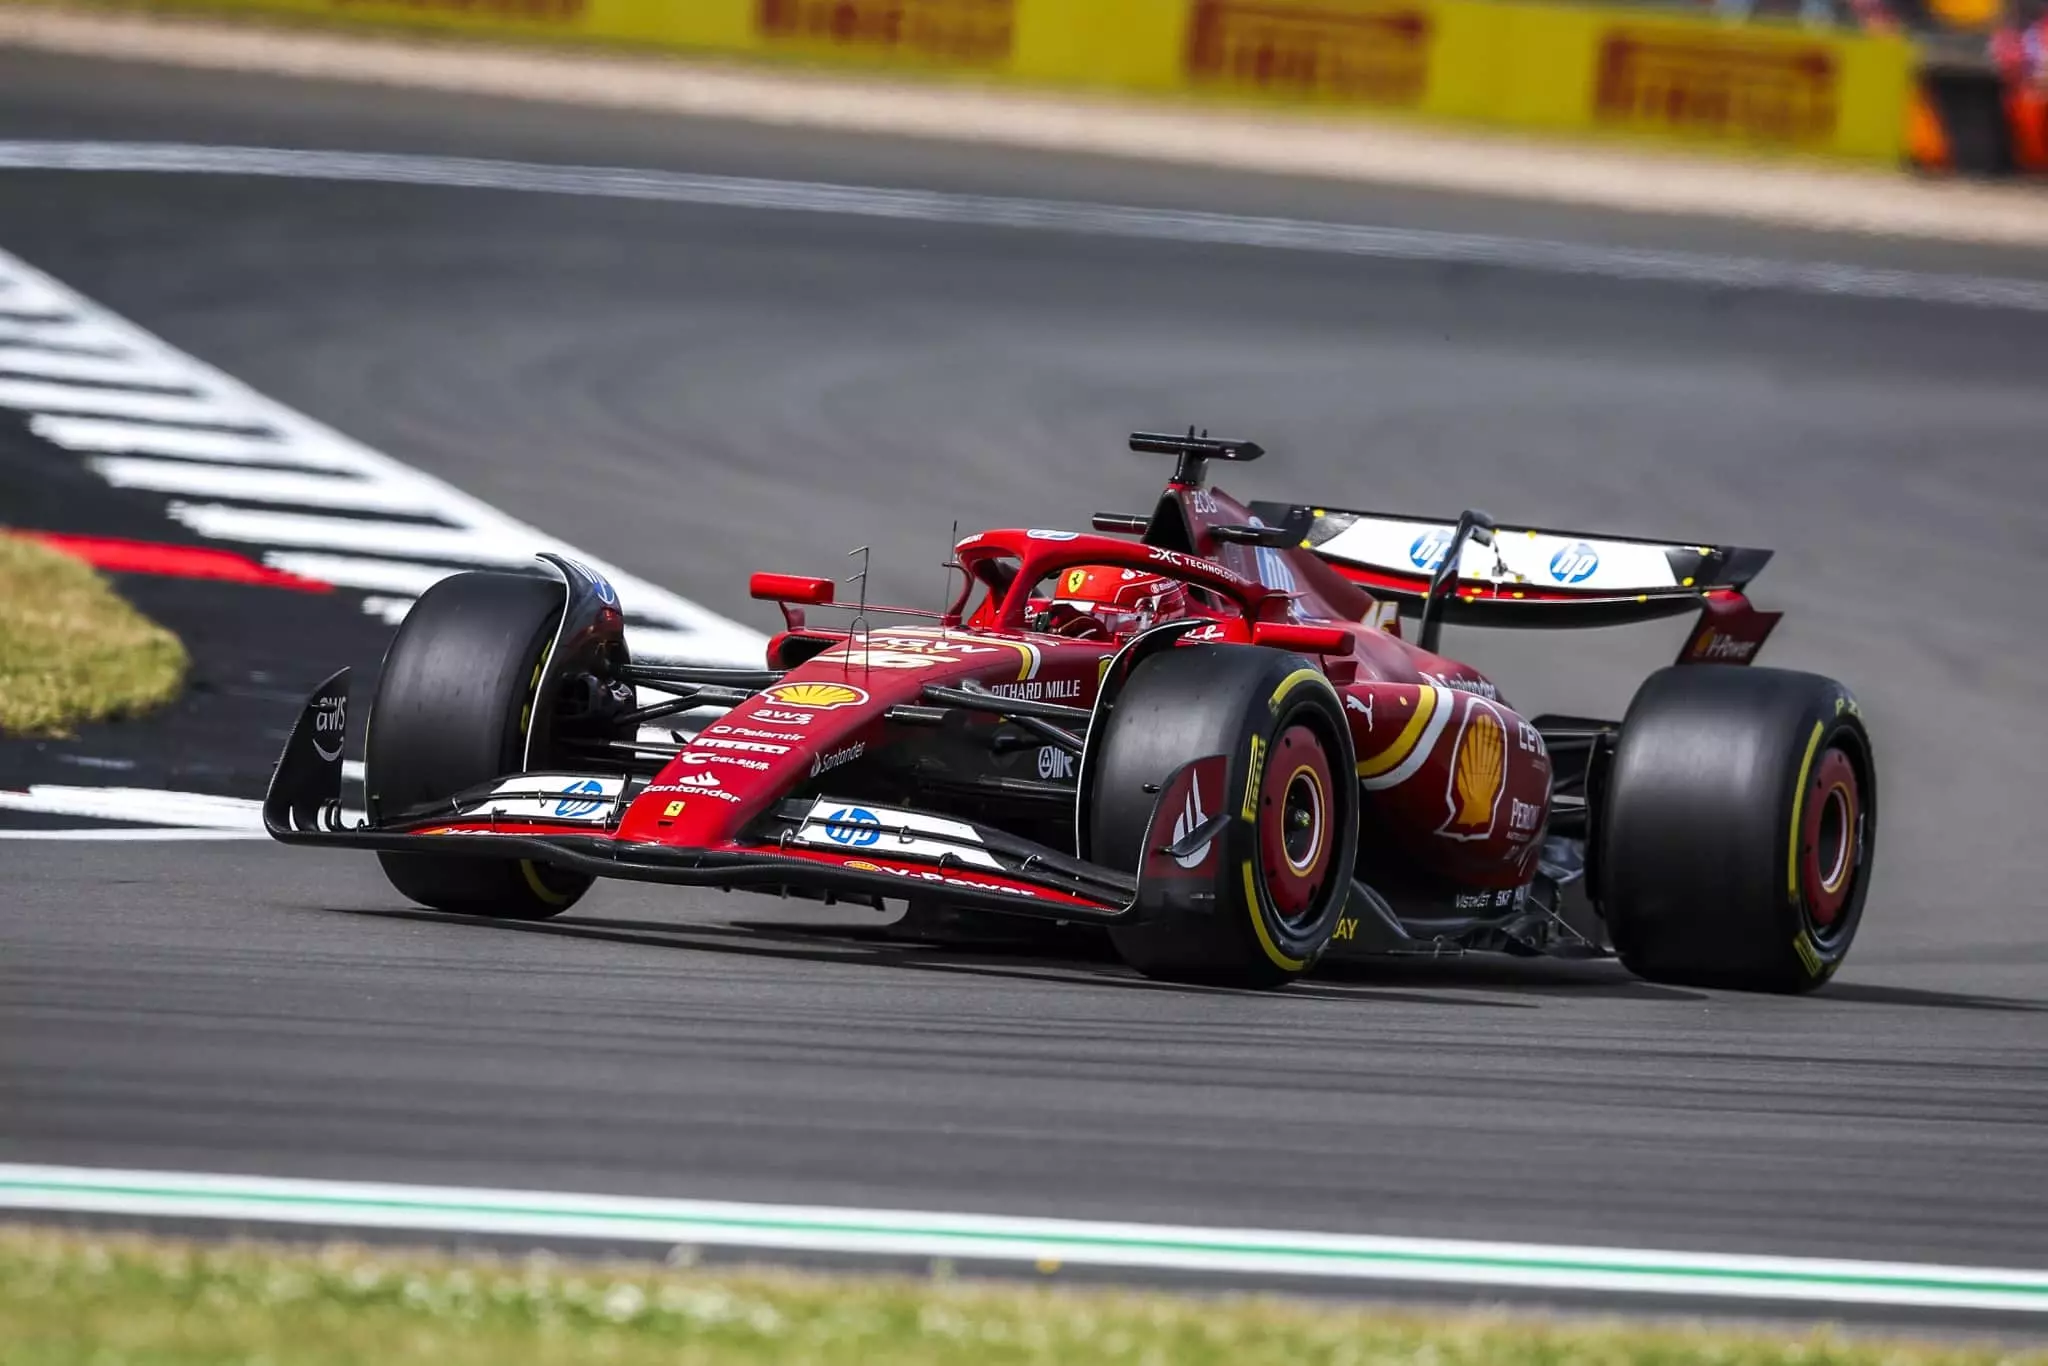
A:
472,545
390,611
263,486
904,1233
1043,215
152,805
132,834
352,571
398,560
69,337
17,359
39,396
155,814
230,448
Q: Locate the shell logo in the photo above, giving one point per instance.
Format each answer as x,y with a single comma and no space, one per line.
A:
817,696
1476,775
860,867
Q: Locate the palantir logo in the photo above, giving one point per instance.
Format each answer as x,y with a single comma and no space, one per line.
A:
1427,552
1575,563
573,807
854,826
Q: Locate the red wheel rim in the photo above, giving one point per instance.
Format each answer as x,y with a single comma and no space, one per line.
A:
1830,838
1294,821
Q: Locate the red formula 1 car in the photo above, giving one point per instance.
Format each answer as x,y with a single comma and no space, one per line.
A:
1209,735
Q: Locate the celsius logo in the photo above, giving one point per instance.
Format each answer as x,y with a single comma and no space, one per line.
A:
1055,764
1575,563
571,807
1427,552
330,717
853,825
1190,820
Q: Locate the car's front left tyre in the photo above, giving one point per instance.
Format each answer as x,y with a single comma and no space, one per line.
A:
1262,899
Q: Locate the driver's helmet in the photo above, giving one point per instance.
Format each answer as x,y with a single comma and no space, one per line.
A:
1122,600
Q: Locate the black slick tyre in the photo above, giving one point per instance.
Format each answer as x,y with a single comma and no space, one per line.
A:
1736,829
1270,890
453,707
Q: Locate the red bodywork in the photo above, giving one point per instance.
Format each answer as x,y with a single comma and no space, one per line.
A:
1451,776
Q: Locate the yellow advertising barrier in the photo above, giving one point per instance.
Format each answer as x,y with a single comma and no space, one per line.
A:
1561,68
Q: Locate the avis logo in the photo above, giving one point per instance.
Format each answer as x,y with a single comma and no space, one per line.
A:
330,718
1575,563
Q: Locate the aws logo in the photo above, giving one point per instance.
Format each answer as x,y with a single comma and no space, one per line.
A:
330,725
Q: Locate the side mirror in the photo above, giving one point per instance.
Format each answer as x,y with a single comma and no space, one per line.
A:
790,588
1307,640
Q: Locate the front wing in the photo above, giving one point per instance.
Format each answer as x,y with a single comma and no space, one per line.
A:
510,819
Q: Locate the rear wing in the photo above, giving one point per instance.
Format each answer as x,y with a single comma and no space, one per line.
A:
1523,576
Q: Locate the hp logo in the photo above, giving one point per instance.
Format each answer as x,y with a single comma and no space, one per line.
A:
1427,552
570,808
854,826
1575,563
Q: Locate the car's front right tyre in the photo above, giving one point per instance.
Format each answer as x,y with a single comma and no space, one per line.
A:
453,708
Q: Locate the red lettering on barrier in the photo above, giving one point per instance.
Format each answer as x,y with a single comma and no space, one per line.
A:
964,32
1371,56
1723,87
530,11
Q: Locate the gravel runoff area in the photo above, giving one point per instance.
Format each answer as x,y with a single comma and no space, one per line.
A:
1824,196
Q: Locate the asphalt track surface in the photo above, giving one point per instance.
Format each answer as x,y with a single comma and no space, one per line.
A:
702,392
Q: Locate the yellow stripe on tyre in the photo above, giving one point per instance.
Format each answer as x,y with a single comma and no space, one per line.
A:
1254,908
1798,807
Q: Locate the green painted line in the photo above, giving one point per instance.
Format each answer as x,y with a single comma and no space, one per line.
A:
177,1195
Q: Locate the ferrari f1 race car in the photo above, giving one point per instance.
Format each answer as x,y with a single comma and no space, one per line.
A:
1206,731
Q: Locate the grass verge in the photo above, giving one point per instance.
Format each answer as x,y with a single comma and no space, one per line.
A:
70,649
71,1298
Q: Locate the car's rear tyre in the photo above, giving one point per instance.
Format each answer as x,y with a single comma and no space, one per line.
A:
1736,829
453,707
1278,876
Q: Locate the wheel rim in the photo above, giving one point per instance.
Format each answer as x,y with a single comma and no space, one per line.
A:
1830,840
1294,822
